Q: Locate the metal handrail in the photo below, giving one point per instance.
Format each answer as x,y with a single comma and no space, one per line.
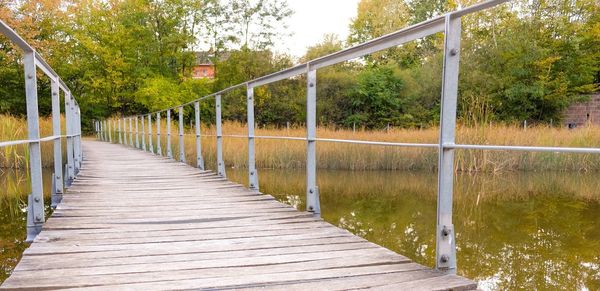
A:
32,60
449,24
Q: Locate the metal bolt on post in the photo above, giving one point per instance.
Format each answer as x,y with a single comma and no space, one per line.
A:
220,162
181,137
252,173
199,159
445,240
169,151
158,141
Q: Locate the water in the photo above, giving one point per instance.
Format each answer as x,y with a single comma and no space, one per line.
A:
514,231
14,187
534,231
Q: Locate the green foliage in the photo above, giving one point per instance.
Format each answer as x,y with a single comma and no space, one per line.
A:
379,98
530,65
527,60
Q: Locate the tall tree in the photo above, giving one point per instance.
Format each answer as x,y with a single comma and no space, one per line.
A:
259,22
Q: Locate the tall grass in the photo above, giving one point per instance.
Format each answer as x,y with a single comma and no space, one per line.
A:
15,128
285,154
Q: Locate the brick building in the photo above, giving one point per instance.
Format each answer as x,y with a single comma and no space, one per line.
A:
204,67
581,113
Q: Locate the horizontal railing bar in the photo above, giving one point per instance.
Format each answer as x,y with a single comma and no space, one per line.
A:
476,7
49,138
28,141
411,33
235,135
45,67
279,137
15,37
25,47
523,148
380,143
13,143
281,75
263,136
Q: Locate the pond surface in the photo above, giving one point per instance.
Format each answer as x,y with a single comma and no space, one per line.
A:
514,231
14,188
532,231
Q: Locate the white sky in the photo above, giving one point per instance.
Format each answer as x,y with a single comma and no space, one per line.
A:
313,19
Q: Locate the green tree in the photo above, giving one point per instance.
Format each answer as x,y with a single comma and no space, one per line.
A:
379,98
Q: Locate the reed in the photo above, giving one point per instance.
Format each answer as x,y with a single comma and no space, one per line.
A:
15,128
289,154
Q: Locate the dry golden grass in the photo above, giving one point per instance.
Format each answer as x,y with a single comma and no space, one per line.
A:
281,154
15,128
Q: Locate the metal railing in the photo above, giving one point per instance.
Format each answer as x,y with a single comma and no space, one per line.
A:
31,62
449,24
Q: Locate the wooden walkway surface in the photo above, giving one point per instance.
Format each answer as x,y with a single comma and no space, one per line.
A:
133,220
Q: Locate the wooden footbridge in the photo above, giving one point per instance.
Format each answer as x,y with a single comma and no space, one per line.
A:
133,220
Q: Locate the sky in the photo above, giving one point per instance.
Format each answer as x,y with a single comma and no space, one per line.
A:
313,19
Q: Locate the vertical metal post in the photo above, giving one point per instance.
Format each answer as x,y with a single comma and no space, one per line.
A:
120,131
169,151
252,174
158,148
116,130
103,129
70,175
445,238
109,131
312,191
181,141
127,131
74,126
124,130
137,133
77,140
131,131
150,146
129,138
143,133
220,162
199,160
57,195
35,211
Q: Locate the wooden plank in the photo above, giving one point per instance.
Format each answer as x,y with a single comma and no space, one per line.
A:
92,260
216,278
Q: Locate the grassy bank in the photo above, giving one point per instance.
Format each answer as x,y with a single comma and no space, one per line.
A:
15,128
285,154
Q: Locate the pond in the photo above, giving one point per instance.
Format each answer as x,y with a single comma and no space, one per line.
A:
514,231
14,187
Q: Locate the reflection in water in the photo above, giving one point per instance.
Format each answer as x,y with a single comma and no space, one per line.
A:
14,187
514,231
